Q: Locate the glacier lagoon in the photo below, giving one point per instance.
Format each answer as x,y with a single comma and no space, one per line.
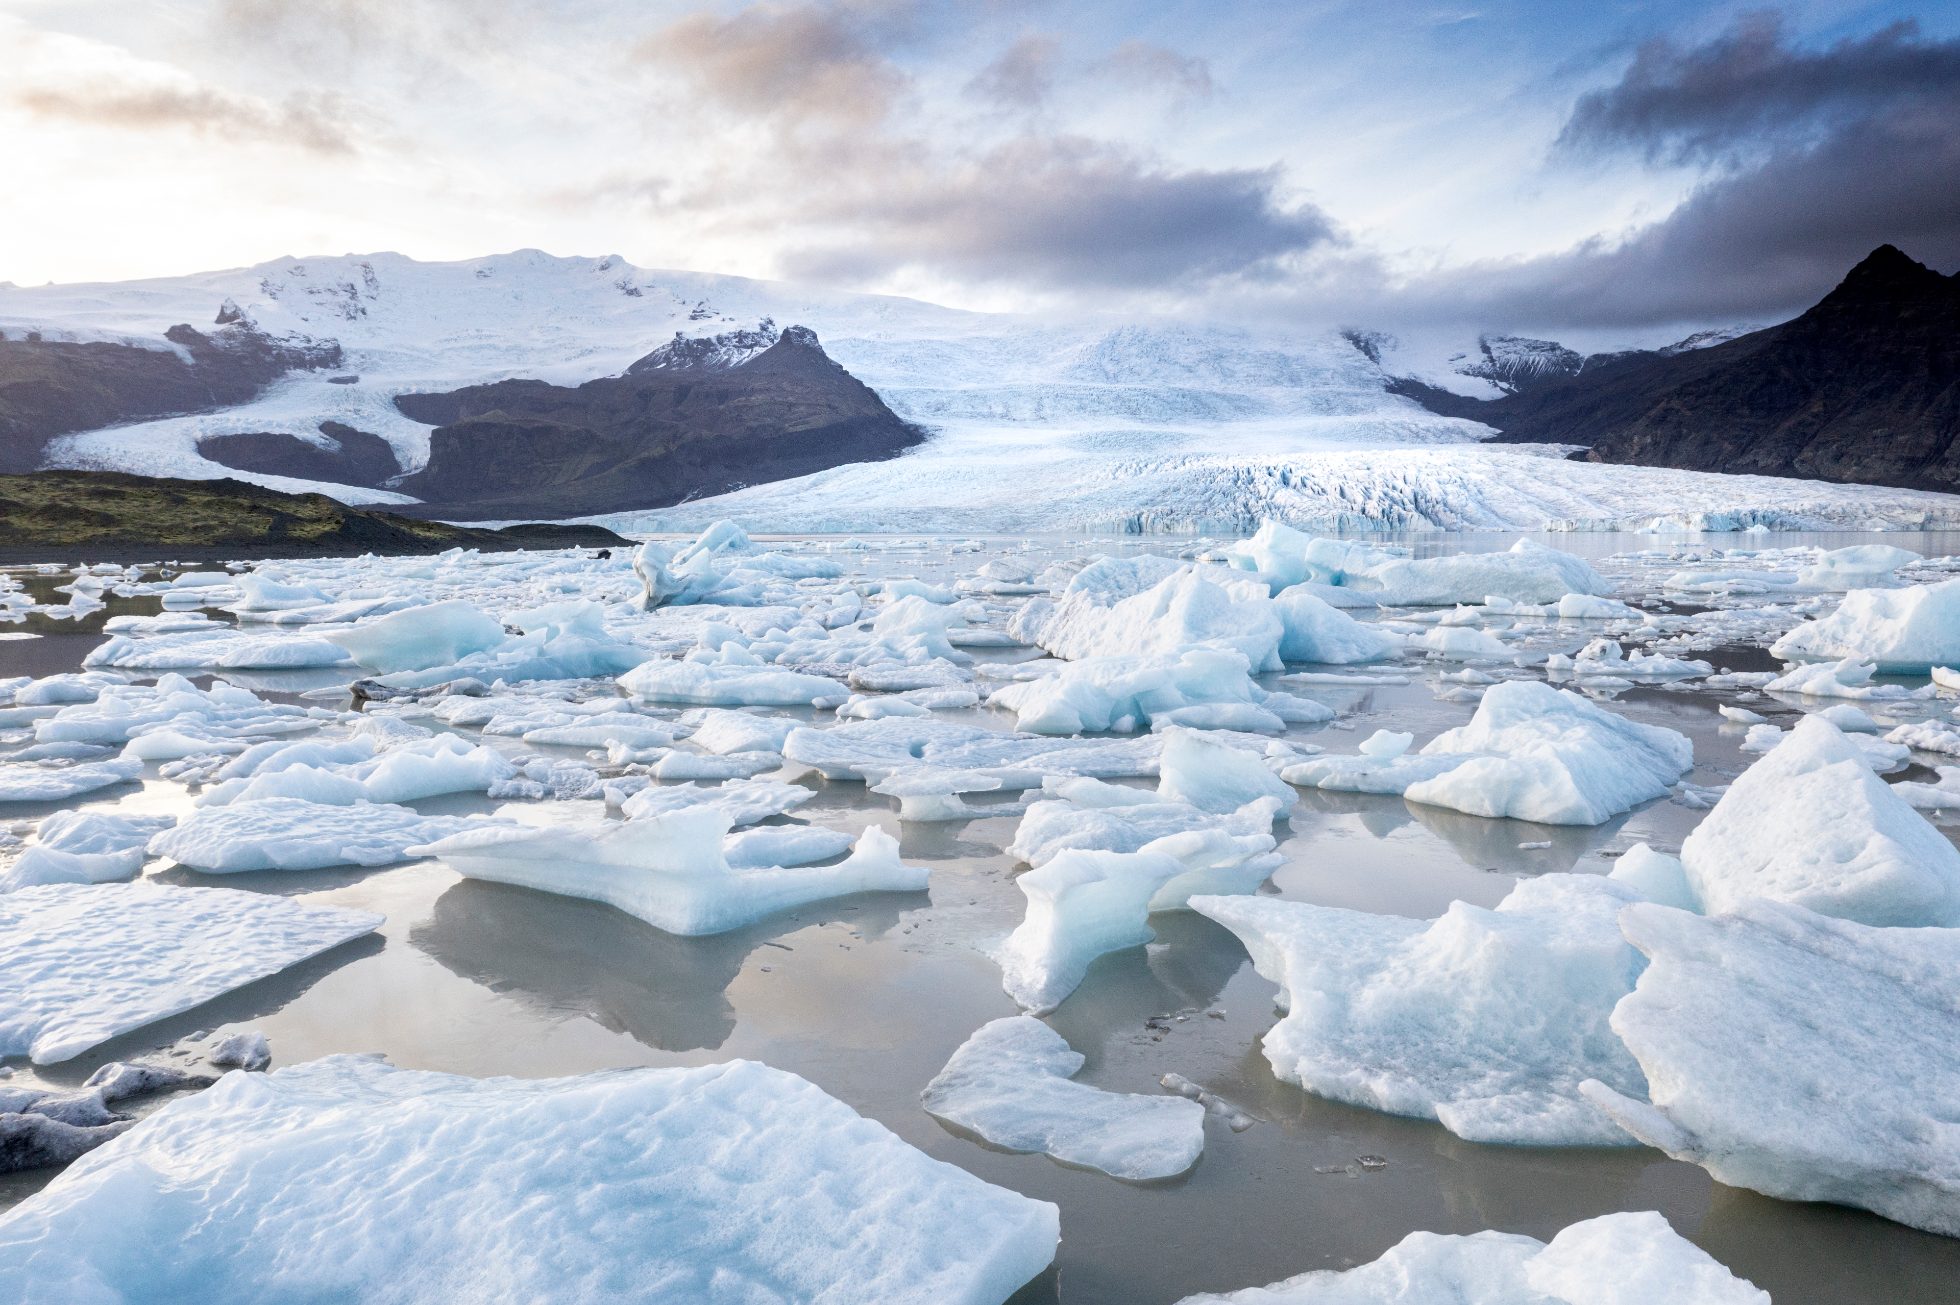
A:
868,996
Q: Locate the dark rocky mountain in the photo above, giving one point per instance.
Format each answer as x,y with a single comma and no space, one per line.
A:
692,418
51,515
54,387
348,457
1864,388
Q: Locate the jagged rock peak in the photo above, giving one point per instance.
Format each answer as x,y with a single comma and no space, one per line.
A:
715,352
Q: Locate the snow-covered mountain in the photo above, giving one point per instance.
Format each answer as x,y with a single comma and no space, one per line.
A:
1037,423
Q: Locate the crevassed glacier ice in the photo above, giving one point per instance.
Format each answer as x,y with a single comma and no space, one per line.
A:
1616,1259
1485,1020
348,1179
1811,824
668,870
1833,1071
1012,1082
81,963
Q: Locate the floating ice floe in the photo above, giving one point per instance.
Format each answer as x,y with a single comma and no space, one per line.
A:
81,963
1204,687
720,730
1012,1082
295,833
1088,813
84,847
1900,630
115,713
1314,630
668,870
222,648
348,1179
1857,567
742,801
1812,825
1485,1020
1083,904
1616,1259
1850,678
1527,573
417,638
1845,1087
36,781
41,1128
731,681
1152,606
1216,776
931,793
361,771
1605,657
1531,752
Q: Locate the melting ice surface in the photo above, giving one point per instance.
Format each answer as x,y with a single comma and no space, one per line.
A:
841,806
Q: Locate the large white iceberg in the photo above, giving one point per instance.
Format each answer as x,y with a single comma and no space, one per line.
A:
81,963
1800,1056
668,870
348,1179
1811,824
1124,694
1616,1259
1902,630
1531,752
1127,606
1527,573
1012,1083
1485,1020
418,638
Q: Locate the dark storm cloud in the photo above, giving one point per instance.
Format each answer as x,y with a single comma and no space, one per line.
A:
314,124
1810,160
1069,213
1748,89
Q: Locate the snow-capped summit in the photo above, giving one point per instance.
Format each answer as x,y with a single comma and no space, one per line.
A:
1512,362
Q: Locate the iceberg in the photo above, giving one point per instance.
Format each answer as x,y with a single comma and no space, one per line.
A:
82,963
668,870
1314,630
418,638
1012,1082
84,847
1843,1082
1616,1259
349,1179
295,833
1901,630
1812,825
1527,573
1484,1020
32,781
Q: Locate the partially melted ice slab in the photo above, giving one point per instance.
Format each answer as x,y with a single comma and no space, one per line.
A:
1485,1020
32,781
292,833
669,870
1911,629
347,1179
1800,1056
1616,1259
1811,824
1012,1083
82,963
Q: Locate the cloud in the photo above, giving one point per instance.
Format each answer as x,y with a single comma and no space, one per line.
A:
1808,160
817,62
308,122
1069,213
1156,67
1748,89
1022,77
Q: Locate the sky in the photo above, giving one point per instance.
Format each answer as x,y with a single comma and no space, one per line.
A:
1600,169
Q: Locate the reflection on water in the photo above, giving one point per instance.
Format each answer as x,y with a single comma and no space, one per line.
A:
570,957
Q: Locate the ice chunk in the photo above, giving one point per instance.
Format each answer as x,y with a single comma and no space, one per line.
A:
1856,567
668,869
80,964
417,638
1216,776
1841,1078
1485,1020
1655,875
1011,1083
1079,819
743,801
1811,824
1187,609
1313,630
1902,630
33,781
292,833
1850,678
348,1179
1616,1259
1122,694
720,730
1528,573
929,793
767,845
1084,903
1531,752
84,847
731,684
248,1050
